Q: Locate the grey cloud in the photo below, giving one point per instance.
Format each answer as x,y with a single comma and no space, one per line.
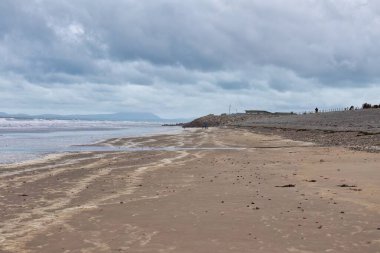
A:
301,37
188,48
234,85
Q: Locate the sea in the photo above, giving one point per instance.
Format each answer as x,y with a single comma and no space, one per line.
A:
23,140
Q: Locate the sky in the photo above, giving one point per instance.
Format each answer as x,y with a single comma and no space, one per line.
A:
187,58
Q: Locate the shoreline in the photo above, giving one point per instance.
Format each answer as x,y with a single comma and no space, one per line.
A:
235,191
37,156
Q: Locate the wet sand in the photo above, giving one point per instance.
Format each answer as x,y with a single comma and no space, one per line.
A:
252,193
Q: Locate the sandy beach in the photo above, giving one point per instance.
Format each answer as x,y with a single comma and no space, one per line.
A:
214,190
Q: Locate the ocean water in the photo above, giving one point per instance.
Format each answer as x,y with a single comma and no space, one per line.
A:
22,140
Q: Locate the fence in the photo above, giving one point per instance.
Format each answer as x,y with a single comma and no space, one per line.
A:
339,109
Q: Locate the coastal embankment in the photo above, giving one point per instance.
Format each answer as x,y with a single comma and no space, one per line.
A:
202,190
356,129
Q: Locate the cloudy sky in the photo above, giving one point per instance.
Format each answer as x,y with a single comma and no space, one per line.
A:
187,58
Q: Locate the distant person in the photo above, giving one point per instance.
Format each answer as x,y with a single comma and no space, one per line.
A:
316,109
352,108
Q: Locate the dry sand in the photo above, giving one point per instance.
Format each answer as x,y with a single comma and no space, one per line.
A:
224,191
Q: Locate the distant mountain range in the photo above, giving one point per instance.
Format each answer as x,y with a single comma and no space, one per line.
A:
122,116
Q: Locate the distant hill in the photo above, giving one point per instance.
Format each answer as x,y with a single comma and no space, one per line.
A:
122,116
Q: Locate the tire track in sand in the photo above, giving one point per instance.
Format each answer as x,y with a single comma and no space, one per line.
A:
15,233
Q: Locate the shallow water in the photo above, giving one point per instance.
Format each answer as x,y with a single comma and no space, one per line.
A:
22,140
